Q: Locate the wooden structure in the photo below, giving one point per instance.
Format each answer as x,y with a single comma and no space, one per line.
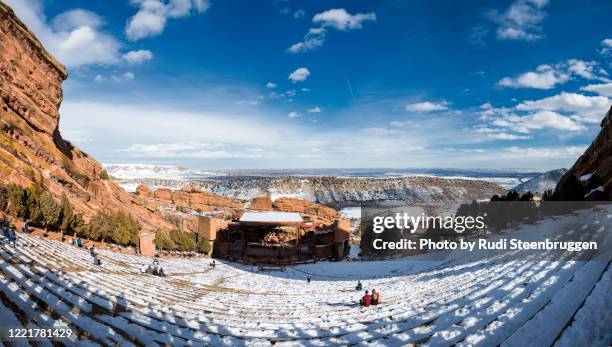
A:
280,238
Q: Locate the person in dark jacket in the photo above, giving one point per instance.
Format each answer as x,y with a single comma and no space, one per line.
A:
13,235
366,299
308,278
359,286
5,232
92,251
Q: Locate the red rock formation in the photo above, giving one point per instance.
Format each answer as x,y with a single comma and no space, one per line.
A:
318,213
188,199
261,203
596,160
32,150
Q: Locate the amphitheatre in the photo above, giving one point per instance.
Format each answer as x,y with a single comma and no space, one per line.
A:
512,299
443,298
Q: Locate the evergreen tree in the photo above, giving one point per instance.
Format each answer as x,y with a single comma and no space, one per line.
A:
51,212
163,240
16,201
3,198
67,218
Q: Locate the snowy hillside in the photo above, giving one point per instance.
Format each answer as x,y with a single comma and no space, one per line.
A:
541,183
338,190
508,300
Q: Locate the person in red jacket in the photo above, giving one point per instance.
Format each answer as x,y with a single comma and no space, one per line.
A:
366,300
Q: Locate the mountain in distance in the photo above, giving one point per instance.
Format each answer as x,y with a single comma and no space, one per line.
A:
539,184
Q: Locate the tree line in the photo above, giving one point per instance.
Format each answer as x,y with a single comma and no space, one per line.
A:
42,210
176,240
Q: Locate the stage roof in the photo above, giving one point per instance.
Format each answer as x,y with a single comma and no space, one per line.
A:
280,218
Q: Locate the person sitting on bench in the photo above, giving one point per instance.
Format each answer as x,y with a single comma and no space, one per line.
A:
366,299
376,299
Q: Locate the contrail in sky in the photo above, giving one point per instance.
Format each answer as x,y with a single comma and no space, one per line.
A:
350,88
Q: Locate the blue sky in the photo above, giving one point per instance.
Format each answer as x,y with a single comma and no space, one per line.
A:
320,84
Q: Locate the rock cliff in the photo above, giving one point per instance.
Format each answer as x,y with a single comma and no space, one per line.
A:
192,199
318,214
32,150
189,199
594,168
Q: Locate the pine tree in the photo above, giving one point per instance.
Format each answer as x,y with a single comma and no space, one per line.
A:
51,212
16,201
66,218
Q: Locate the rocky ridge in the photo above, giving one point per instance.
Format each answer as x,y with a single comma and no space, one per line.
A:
32,150
594,168
339,191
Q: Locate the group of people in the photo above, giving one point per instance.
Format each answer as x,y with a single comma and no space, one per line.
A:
367,299
79,243
10,232
154,269
92,252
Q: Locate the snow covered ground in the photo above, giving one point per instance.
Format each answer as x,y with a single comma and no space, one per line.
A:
460,298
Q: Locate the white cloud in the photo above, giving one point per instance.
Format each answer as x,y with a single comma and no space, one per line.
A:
427,106
299,13
545,77
315,109
137,57
508,137
539,120
607,47
151,18
582,68
299,75
546,152
126,77
190,149
568,102
74,37
312,40
340,19
294,114
271,85
337,18
604,89
521,21
549,76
